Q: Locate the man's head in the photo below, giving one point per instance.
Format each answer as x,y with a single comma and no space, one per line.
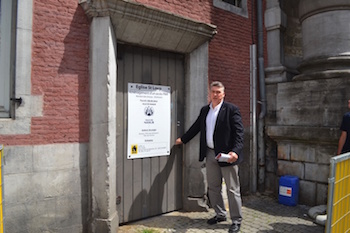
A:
217,93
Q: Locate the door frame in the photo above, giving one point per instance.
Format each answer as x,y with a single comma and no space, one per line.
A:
102,167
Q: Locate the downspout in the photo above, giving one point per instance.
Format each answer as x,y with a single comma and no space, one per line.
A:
261,121
253,108
253,141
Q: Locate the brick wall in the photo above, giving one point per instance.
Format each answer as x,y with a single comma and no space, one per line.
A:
60,64
229,58
60,55
228,51
196,9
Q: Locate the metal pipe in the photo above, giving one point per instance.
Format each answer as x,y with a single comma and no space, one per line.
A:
261,123
253,141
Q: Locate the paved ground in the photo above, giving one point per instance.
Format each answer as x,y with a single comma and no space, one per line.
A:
261,214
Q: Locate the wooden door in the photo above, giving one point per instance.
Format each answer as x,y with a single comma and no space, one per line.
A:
149,186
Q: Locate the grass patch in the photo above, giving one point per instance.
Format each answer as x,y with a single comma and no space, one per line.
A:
149,231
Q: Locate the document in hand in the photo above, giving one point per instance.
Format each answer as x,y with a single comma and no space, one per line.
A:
221,157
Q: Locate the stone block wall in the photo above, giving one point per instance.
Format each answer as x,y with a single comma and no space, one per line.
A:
311,167
305,136
307,98
46,188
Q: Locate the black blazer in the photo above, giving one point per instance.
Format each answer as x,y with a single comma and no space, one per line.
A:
228,132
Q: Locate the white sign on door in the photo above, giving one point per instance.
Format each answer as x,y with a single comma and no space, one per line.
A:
148,120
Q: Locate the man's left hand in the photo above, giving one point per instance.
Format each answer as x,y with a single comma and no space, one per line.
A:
233,157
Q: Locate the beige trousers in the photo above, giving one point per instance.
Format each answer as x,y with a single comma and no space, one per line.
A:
215,174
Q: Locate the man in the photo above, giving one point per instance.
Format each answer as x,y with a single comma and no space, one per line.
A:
221,134
344,140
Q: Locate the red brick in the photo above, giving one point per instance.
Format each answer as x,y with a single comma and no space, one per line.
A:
60,60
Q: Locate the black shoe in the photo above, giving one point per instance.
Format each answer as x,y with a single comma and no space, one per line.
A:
234,228
215,220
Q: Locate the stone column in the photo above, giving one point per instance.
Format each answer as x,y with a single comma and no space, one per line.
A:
275,72
275,23
102,150
326,36
196,83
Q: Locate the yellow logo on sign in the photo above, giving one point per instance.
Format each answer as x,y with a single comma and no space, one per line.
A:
133,149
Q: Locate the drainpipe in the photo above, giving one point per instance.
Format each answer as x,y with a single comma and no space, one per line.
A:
261,121
254,139
253,108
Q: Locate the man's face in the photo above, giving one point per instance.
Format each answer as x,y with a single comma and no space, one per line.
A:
349,104
216,95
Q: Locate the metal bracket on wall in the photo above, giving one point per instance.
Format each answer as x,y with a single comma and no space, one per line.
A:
17,100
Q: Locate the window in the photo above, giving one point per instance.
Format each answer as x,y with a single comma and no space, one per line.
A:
15,68
237,3
7,58
238,7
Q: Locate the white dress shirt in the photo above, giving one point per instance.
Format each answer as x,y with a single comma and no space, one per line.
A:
210,124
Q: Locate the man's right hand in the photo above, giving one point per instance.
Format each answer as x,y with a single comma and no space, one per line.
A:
178,141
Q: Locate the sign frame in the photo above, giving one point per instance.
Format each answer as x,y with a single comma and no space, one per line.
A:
149,120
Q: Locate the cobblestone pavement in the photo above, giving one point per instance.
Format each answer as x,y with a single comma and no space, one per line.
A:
261,214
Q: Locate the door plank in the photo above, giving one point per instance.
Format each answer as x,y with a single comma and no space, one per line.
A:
146,75
163,185
128,164
172,179
155,164
178,129
138,191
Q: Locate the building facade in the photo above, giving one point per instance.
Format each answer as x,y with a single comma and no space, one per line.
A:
63,105
65,70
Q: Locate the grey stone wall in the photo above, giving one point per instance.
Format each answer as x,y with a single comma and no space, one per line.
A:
310,165
45,188
308,116
307,100
292,36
